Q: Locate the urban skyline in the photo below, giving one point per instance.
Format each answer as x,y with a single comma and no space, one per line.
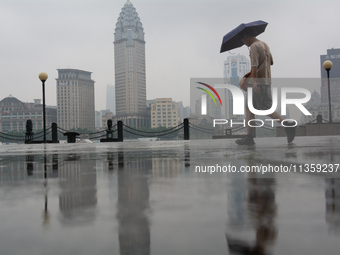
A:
192,37
130,66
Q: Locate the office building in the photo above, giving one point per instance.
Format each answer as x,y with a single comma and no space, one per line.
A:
235,67
315,107
319,105
213,110
14,114
105,118
75,99
164,113
186,112
130,77
99,117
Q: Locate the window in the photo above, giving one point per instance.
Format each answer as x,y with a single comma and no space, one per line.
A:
6,126
21,126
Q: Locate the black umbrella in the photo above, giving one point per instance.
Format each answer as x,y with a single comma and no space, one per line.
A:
233,40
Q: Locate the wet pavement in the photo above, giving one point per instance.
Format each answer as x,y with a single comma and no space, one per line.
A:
176,197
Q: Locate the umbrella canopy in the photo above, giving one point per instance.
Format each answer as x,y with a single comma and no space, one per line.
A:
233,40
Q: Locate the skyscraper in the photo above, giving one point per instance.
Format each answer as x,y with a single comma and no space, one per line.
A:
75,99
235,67
130,81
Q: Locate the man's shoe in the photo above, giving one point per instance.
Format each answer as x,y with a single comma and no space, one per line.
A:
290,130
248,140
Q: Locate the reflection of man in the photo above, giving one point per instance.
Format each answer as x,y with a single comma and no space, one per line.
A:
261,60
262,210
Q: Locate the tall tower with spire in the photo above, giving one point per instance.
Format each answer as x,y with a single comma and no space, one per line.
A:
130,80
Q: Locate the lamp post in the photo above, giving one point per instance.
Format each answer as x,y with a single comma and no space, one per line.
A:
328,66
43,77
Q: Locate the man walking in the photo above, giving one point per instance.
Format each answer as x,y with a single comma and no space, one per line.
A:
261,59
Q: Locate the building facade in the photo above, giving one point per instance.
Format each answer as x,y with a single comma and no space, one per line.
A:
14,114
130,75
105,118
319,105
164,113
75,99
334,56
213,110
235,67
99,117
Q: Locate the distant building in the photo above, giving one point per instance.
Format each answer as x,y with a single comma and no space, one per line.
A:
111,98
315,107
235,67
213,110
200,120
180,111
75,99
323,110
105,118
186,112
319,105
149,102
315,99
14,114
164,113
183,112
334,56
99,117
130,75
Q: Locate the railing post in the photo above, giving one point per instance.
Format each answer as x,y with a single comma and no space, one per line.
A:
109,133
71,136
186,129
55,133
29,133
120,130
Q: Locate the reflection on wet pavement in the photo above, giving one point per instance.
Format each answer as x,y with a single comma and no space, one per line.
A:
261,211
126,199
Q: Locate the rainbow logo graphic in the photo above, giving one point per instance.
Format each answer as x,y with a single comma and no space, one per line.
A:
204,97
209,93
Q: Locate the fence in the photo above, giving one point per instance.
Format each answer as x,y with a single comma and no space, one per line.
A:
113,133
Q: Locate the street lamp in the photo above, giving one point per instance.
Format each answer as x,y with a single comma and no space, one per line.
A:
328,66
43,77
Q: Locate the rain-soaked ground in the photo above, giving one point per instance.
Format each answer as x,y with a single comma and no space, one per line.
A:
165,198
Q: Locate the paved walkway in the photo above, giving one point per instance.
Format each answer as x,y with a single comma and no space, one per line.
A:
273,150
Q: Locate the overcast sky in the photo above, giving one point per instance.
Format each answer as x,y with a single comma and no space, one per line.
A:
183,41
